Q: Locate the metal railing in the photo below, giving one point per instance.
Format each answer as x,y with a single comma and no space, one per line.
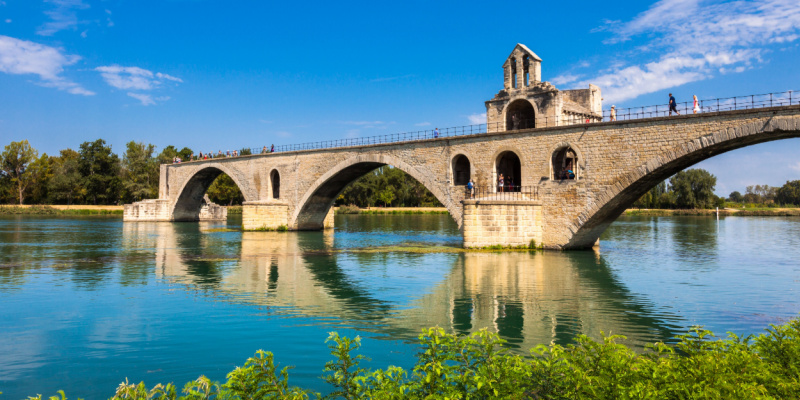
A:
708,105
622,114
508,192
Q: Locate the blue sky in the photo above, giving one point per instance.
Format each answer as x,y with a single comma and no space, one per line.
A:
215,75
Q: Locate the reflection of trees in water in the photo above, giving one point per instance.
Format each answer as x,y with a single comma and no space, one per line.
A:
528,298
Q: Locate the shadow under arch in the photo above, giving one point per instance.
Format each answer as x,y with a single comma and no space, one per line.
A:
190,199
317,201
615,201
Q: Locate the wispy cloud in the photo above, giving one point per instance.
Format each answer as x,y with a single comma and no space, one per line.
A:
283,134
134,78
391,78
565,78
63,16
21,57
146,99
692,40
368,124
423,124
796,166
476,119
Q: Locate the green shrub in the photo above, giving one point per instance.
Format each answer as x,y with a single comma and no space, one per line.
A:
478,366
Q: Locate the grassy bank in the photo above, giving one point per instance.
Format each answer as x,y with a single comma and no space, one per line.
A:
390,210
478,366
767,212
60,210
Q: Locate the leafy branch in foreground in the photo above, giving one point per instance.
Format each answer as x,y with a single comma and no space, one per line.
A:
478,366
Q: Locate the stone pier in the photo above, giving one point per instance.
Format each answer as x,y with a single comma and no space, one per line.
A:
502,222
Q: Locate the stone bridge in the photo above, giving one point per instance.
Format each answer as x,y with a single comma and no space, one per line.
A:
614,164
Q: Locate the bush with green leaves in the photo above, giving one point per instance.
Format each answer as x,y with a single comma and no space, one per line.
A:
478,366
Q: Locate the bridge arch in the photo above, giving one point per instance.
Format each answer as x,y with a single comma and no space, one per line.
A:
525,110
191,193
591,223
313,207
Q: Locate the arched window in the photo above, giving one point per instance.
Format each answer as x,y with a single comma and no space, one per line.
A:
461,170
526,67
275,178
520,115
509,166
514,73
565,164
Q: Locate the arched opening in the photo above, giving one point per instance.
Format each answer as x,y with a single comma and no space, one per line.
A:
207,185
508,168
275,180
461,170
565,164
520,115
526,66
514,73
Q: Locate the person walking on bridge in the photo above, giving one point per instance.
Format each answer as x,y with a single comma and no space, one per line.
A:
613,114
673,106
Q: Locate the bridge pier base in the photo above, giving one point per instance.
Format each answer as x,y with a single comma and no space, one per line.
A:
501,222
264,215
162,210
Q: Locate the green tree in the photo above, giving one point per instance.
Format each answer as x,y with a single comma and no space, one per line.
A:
40,172
66,182
100,169
224,191
736,197
694,188
386,196
139,172
653,197
14,161
789,193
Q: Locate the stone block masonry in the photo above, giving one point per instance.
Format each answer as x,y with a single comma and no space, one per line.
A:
498,222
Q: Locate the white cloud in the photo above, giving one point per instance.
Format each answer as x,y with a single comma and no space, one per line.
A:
63,16
423,124
146,99
283,134
133,78
22,57
565,78
691,40
796,166
352,133
476,119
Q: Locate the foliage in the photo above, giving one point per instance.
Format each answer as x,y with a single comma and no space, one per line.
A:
387,186
16,163
225,191
478,366
760,194
65,184
100,170
139,172
689,189
694,188
348,209
735,197
789,193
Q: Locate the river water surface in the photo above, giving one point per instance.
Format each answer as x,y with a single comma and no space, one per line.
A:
88,302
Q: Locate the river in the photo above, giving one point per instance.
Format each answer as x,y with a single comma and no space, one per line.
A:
86,302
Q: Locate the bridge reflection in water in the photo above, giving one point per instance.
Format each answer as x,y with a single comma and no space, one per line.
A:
528,298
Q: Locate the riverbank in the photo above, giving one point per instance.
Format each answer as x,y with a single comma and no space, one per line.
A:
26,209
759,212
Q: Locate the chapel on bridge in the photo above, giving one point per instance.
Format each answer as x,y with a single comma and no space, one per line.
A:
528,102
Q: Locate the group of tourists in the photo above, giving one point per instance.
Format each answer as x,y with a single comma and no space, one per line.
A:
210,155
673,107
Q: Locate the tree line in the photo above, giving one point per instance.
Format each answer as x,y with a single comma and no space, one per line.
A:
694,188
93,174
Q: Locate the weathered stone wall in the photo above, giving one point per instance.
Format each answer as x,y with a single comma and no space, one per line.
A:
267,215
617,162
502,222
